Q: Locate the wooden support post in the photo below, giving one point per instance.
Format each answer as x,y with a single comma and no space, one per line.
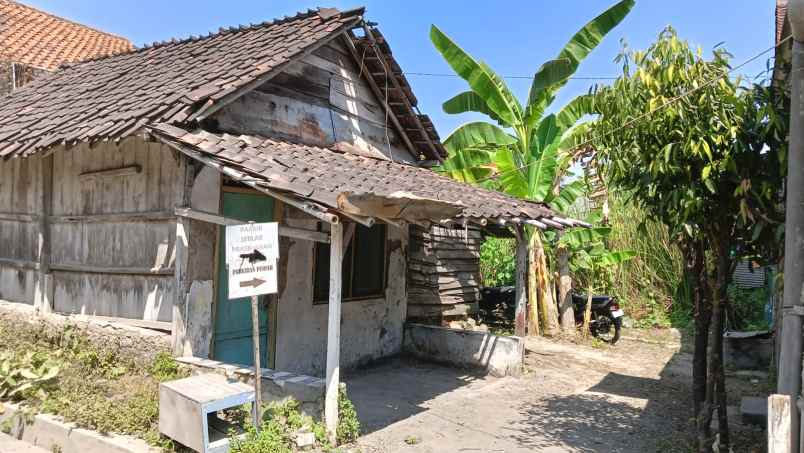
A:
43,295
521,282
182,251
334,330
780,408
255,337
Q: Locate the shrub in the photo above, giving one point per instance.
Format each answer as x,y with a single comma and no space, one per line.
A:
348,423
27,376
497,262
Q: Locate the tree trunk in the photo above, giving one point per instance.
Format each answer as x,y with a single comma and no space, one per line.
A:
534,328
587,312
719,377
565,292
540,278
715,385
696,281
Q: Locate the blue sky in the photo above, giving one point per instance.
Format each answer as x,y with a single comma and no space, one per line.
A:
514,37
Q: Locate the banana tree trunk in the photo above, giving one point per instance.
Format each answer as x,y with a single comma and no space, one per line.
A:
566,311
534,327
540,286
587,313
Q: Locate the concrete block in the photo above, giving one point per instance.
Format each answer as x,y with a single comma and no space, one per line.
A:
498,355
754,411
51,432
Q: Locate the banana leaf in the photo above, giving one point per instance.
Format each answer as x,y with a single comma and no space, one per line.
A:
545,82
477,135
469,101
567,196
481,78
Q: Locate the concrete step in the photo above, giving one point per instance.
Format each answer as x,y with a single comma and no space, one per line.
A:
9,444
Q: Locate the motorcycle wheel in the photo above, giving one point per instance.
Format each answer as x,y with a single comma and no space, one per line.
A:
607,328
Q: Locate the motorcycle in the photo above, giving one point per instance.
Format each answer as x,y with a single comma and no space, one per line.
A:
607,316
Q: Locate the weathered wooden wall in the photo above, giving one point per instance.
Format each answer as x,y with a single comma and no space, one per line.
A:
20,205
322,100
111,235
443,273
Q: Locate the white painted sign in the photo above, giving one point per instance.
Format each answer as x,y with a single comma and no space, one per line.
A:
252,251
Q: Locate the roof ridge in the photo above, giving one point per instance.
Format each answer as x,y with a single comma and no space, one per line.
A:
97,30
225,30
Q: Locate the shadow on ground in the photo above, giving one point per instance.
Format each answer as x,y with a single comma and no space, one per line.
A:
399,388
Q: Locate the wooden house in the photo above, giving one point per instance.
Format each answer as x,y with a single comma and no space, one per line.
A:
117,175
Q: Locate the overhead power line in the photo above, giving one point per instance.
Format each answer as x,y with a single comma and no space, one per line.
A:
651,112
436,74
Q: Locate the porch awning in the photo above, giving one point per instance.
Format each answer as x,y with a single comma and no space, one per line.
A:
338,182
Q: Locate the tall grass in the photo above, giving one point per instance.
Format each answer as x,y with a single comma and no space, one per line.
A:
649,286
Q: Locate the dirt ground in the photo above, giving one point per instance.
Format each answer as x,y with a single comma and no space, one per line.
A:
633,397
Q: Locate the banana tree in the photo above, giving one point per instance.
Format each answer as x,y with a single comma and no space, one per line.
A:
588,251
525,153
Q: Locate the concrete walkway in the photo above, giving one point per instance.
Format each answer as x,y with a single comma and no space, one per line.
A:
572,398
10,445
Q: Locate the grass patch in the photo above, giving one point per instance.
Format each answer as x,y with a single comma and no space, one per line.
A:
94,388
281,423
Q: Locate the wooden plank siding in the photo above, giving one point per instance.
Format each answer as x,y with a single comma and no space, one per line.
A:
20,204
112,235
322,100
443,272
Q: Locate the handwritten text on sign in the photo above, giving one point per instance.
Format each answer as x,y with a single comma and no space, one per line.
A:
252,251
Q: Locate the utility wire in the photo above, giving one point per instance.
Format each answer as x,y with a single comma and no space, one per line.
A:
437,74
649,113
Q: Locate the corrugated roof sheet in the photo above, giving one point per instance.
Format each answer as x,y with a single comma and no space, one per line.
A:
116,96
45,41
321,174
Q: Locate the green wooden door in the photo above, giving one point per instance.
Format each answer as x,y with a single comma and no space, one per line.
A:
233,337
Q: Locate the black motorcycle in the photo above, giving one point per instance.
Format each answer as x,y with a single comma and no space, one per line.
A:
607,316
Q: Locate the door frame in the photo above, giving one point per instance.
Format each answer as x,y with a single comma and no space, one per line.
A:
273,302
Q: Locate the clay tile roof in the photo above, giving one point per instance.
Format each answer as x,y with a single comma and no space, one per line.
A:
42,40
321,175
115,96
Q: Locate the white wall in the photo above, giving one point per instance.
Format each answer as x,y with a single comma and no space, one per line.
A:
370,329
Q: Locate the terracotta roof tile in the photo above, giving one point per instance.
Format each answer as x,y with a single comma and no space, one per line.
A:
321,174
107,98
42,40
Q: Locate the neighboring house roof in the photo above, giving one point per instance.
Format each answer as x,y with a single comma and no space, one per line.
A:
174,82
781,18
326,176
45,41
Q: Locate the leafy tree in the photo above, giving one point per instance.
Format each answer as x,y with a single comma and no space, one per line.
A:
705,155
524,149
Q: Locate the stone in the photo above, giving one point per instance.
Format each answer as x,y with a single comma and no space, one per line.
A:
305,439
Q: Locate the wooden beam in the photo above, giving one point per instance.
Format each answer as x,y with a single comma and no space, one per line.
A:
12,217
111,172
164,271
376,89
43,293
296,233
19,264
147,216
396,85
141,323
334,331
348,234
521,297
